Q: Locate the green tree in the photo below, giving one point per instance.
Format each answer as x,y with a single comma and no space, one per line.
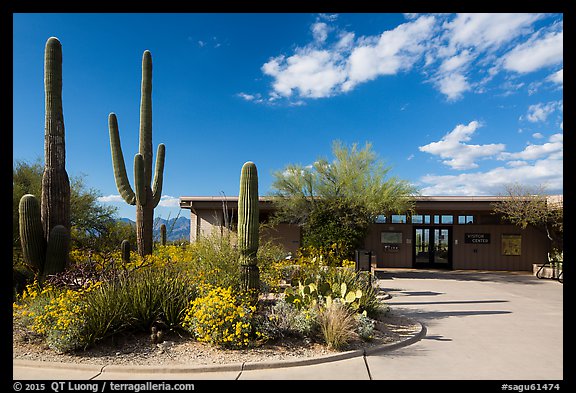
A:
336,201
525,206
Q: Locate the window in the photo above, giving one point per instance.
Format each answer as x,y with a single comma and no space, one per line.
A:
447,219
417,219
398,218
420,219
380,219
466,220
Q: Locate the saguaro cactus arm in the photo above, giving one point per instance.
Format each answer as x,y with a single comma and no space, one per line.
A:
122,182
158,175
139,183
31,233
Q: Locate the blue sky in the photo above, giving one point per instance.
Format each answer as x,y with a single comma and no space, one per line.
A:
457,104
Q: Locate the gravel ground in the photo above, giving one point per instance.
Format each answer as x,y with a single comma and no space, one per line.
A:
137,349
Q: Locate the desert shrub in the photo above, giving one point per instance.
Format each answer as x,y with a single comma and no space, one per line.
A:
337,324
222,317
75,318
55,313
353,288
283,319
365,326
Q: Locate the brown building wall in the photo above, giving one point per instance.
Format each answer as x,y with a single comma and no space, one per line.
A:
534,247
390,257
287,235
206,214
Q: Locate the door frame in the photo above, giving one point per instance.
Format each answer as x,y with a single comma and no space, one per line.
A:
431,264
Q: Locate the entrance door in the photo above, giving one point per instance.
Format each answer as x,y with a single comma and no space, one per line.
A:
432,247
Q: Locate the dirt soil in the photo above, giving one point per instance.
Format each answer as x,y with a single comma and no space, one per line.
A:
138,349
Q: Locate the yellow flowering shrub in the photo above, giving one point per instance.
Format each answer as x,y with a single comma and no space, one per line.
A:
57,314
221,317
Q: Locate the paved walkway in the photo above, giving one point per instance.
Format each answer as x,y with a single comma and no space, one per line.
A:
478,326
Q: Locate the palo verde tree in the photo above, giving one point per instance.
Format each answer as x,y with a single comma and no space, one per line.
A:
145,196
525,206
334,202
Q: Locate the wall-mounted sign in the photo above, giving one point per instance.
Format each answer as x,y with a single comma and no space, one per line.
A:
477,238
391,248
391,237
511,244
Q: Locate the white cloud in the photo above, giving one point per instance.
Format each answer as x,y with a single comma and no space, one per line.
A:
395,50
536,165
314,72
552,149
488,30
459,155
110,199
457,53
169,201
165,200
557,77
453,85
536,53
546,172
541,111
247,97
320,31
251,97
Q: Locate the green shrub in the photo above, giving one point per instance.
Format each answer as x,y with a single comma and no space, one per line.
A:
365,326
284,319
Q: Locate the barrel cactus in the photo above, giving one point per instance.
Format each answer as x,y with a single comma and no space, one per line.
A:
248,227
144,196
45,226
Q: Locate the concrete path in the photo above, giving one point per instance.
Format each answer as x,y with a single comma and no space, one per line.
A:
478,326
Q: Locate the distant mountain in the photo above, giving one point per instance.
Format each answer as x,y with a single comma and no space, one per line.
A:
176,228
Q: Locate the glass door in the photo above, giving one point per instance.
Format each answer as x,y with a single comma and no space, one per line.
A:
432,247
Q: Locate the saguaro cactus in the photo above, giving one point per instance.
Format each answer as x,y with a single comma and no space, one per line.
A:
163,234
45,227
144,196
125,251
248,226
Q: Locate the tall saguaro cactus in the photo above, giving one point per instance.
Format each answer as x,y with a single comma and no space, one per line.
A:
144,195
248,226
45,226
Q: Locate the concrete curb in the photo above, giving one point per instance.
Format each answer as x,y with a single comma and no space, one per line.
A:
235,367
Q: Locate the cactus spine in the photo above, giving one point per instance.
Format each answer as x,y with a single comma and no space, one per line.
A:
248,226
45,247
144,196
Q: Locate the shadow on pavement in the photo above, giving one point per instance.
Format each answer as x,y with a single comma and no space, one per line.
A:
460,275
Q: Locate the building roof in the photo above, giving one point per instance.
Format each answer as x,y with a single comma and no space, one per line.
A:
423,202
